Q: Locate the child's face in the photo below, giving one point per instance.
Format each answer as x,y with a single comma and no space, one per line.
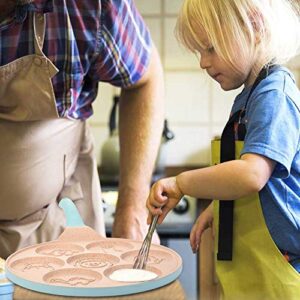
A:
228,77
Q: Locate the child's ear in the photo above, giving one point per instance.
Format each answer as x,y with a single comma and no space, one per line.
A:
257,22
257,37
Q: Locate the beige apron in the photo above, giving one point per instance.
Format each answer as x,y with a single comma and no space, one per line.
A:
42,157
258,270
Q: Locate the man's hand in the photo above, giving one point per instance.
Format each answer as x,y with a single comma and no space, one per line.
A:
131,223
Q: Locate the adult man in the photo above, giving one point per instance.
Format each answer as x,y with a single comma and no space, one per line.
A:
53,53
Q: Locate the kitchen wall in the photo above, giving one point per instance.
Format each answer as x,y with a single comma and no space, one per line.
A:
196,107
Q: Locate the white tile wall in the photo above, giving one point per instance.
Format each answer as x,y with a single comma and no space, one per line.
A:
189,147
175,56
172,6
147,7
100,133
154,25
221,102
187,95
294,63
99,121
196,107
102,104
297,75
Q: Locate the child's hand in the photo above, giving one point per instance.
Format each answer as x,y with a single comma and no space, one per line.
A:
203,222
164,195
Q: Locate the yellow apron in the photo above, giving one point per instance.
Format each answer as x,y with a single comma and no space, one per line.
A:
258,270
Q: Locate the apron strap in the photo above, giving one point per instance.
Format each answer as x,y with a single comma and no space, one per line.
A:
262,75
225,240
226,207
39,26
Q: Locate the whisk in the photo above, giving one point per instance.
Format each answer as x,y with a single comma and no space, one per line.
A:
141,260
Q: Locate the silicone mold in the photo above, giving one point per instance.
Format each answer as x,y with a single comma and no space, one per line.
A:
80,262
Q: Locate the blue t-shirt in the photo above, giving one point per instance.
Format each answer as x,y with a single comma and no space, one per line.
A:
273,130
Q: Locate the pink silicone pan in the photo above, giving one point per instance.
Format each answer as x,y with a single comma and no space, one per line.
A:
80,262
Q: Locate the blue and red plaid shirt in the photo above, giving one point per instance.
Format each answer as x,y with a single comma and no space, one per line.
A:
87,40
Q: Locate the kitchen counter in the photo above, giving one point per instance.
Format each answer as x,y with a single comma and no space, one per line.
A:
172,291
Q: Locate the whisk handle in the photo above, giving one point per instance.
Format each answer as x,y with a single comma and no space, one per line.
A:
153,225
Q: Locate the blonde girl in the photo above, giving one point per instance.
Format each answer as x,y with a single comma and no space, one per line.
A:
257,215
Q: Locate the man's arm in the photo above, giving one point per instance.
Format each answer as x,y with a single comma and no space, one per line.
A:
140,127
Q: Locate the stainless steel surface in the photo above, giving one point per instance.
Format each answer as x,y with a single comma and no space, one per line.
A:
141,259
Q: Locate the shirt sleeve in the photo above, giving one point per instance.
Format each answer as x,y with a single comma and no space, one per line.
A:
124,44
273,129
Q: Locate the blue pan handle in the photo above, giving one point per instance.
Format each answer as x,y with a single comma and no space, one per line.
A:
72,215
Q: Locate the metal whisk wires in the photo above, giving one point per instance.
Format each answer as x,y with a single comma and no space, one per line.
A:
141,259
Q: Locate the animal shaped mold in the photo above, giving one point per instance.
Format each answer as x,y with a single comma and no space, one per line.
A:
81,263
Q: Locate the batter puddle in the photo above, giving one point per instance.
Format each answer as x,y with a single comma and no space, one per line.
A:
132,275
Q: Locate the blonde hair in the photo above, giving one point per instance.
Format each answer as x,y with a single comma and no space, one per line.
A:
263,29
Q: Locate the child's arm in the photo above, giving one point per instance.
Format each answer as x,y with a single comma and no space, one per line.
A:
203,222
226,181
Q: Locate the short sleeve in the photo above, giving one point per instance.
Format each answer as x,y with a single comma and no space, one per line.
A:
273,130
124,44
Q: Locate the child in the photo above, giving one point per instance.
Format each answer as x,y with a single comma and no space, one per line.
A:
243,43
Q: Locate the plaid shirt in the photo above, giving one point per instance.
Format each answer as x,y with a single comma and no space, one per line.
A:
87,40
